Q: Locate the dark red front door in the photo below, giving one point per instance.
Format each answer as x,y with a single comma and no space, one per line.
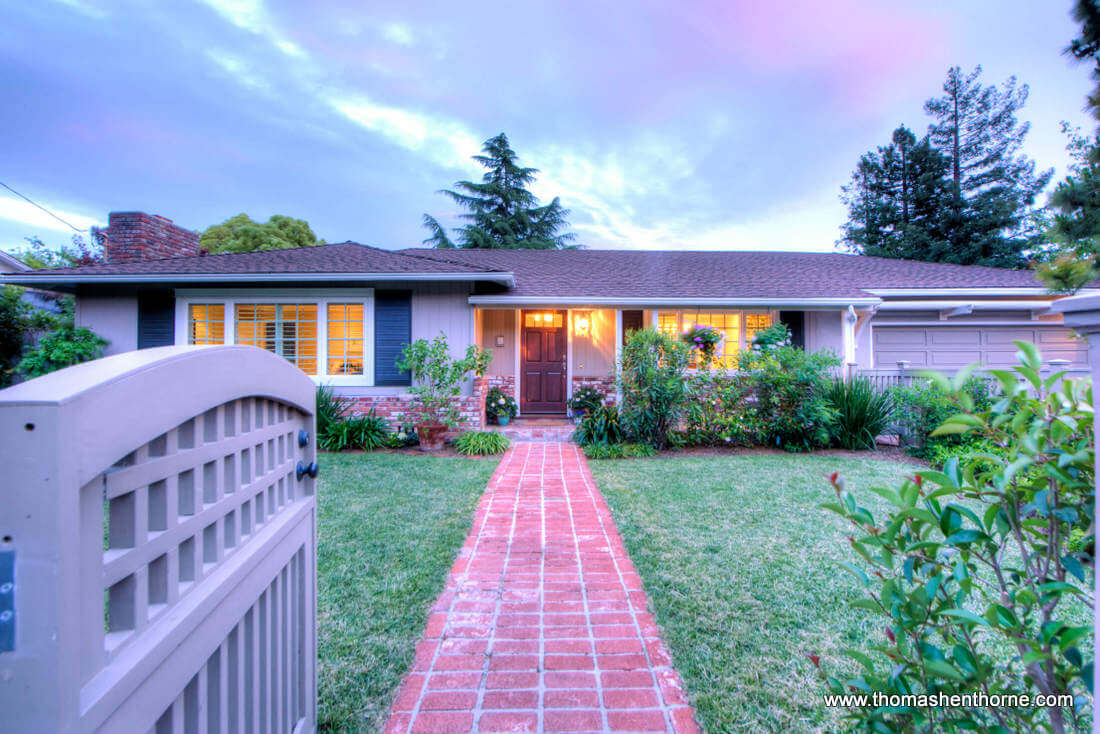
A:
543,362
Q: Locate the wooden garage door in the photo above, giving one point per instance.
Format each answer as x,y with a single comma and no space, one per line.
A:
948,347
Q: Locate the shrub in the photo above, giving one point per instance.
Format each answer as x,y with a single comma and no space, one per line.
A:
979,571
405,435
771,337
481,443
602,426
585,400
362,432
862,412
438,377
923,405
789,386
618,450
651,380
329,411
498,403
65,346
718,411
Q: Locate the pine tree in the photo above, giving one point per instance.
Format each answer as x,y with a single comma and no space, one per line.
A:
1087,47
1075,202
993,185
894,199
501,212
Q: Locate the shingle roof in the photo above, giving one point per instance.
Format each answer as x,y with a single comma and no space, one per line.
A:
588,273
344,257
677,274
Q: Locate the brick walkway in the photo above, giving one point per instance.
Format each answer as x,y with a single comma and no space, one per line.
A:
542,625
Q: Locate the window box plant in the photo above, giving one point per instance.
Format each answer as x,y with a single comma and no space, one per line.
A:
437,385
707,339
584,401
500,406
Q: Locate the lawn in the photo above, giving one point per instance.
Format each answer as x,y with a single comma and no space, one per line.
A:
388,529
738,562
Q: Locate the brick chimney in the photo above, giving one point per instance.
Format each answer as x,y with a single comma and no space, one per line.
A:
139,236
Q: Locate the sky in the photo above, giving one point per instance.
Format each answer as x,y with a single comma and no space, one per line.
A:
673,124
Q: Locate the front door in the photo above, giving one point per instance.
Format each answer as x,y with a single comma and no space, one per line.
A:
543,362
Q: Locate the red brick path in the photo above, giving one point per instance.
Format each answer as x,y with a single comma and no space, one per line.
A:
543,624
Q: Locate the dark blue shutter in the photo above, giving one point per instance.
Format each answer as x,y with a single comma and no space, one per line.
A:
392,332
156,320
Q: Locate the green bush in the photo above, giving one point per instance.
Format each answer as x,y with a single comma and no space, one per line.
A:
329,411
618,450
600,427
65,346
438,377
481,443
861,411
775,336
718,411
981,573
923,405
498,403
653,385
363,432
585,400
789,386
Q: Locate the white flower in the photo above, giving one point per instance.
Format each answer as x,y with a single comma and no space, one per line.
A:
500,402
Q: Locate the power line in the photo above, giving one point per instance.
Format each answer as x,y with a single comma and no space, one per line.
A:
33,203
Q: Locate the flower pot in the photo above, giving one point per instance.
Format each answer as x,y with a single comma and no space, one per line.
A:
503,418
431,436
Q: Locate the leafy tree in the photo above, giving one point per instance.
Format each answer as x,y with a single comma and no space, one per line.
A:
38,255
241,234
501,212
66,345
964,194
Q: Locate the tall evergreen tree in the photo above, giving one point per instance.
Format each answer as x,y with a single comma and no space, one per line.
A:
1075,202
501,212
993,184
963,194
894,200
1087,47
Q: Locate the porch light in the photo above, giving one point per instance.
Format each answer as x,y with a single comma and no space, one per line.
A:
580,324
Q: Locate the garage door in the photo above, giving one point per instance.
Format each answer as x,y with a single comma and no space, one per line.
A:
947,347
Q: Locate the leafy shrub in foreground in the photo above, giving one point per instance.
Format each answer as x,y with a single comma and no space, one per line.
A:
980,569
601,426
481,443
861,412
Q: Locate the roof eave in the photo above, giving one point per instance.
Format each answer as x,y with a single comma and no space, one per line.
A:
975,291
38,281
838,302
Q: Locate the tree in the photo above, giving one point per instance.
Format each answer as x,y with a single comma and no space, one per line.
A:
1087,47
894,198
1075,202
963,194
38,255
241,234
501,212
993,184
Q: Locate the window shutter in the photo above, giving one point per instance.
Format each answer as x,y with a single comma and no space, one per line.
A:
156,320
392,332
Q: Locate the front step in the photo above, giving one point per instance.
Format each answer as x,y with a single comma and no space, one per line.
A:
536,429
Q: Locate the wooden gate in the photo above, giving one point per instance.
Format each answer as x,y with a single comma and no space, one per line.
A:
158,525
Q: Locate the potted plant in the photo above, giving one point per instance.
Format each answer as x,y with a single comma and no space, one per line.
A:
584,401
437,385
500,406
706,339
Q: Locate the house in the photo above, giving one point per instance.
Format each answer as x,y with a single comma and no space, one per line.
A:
553,320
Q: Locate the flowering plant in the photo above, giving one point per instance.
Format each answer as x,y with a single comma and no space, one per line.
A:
498,403
706,339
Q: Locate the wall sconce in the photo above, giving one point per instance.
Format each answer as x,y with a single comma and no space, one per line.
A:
580,324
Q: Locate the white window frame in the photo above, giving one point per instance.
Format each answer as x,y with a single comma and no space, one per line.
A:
321,297
742,342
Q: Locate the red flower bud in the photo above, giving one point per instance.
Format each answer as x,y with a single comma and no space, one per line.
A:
890,635
815,660
833,477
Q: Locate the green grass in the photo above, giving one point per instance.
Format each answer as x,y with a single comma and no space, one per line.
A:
388,529
738,562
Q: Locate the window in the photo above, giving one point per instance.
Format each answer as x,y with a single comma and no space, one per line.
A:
552,320
736,326
328,334
345,338
287,329
206,323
